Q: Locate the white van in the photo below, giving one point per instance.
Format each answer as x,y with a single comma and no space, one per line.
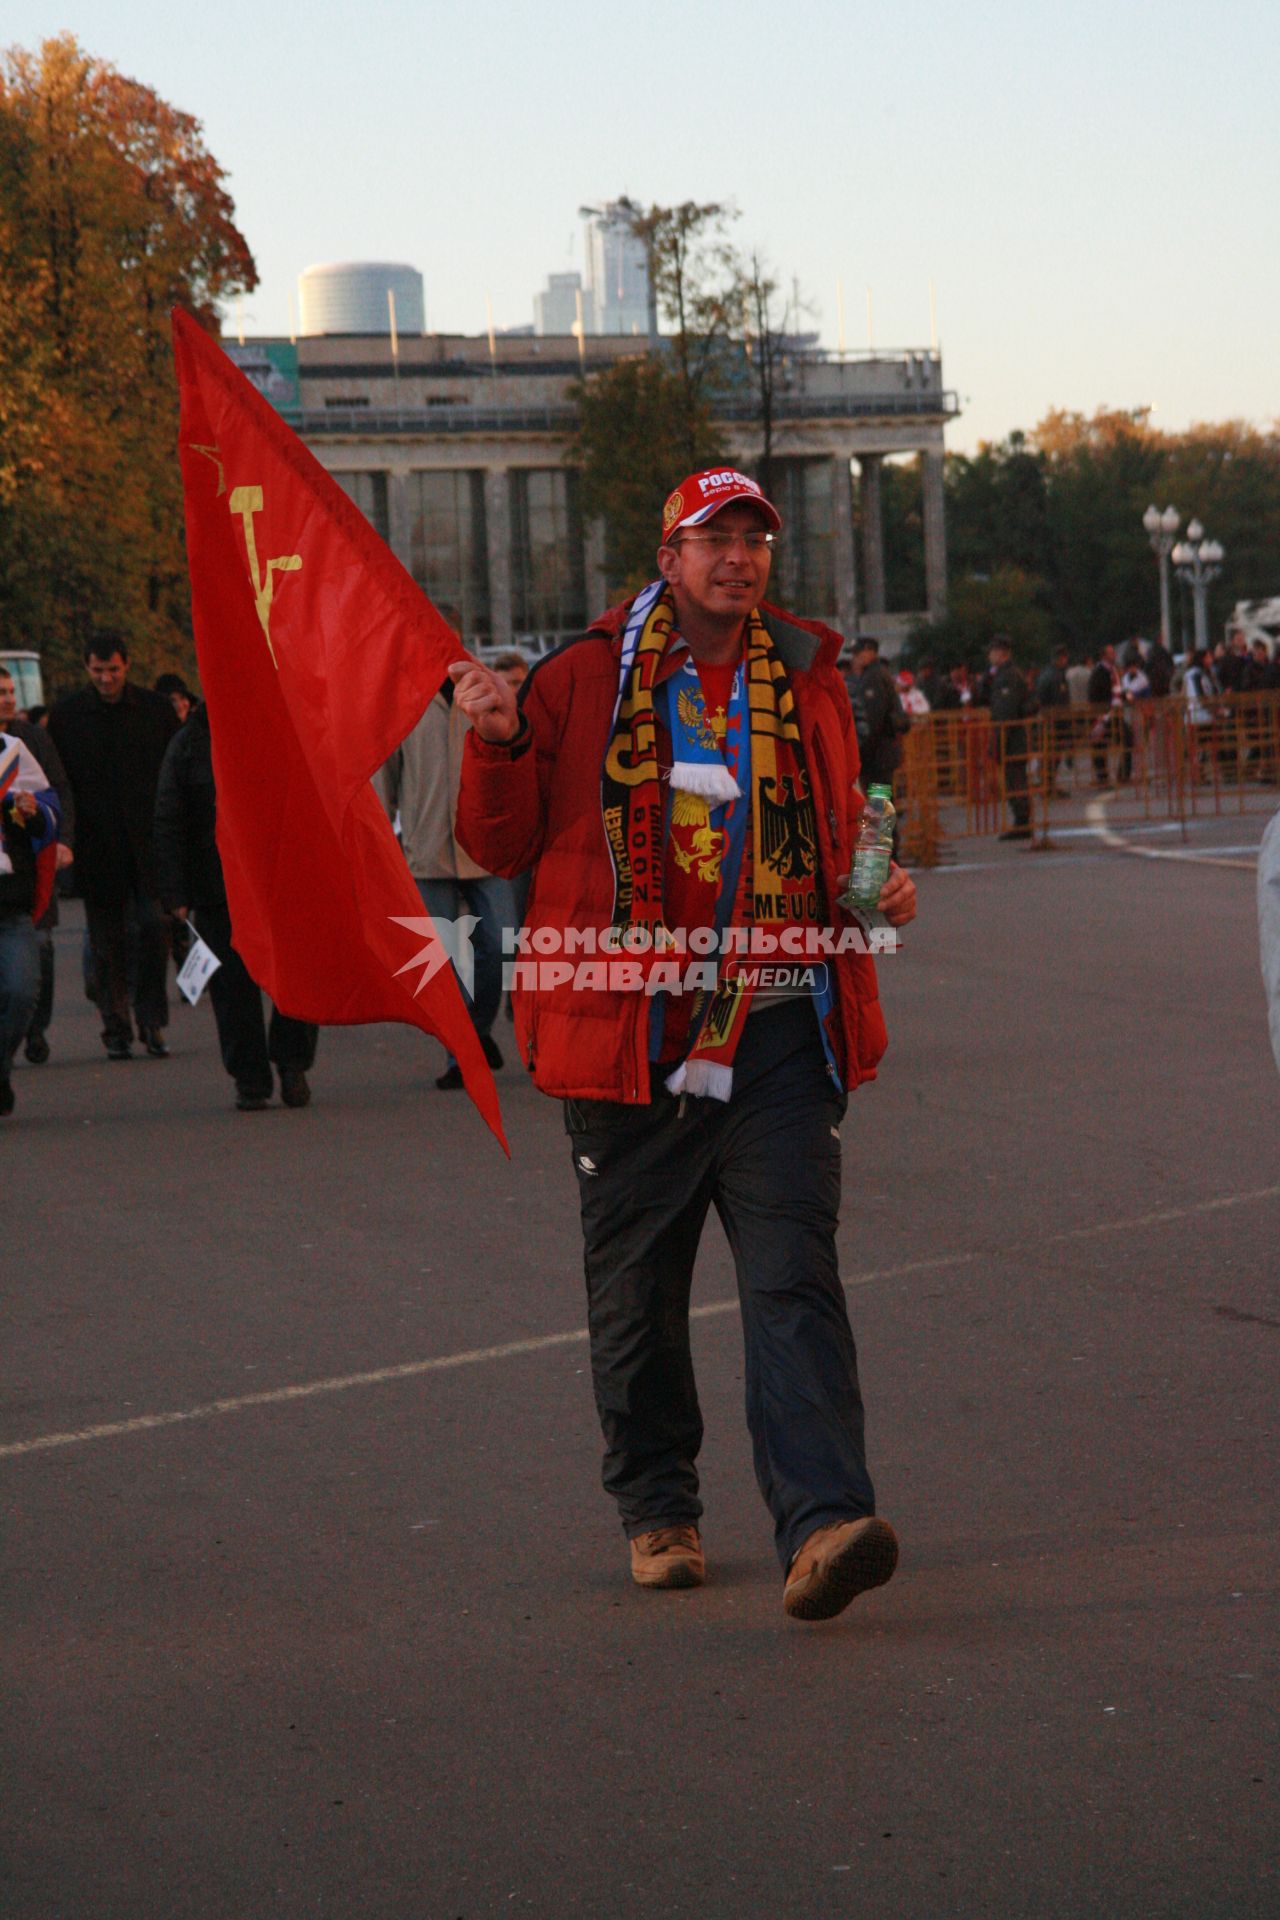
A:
27,678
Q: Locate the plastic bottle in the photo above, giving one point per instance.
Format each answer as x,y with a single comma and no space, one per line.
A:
873,852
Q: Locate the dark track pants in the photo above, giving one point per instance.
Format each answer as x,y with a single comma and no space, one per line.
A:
247,1044
113,929
768,1160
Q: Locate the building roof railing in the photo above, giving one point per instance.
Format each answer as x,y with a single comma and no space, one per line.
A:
366,422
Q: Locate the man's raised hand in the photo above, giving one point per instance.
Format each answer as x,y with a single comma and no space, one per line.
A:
486,699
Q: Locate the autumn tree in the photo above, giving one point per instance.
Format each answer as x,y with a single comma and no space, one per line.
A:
111,212
1061,508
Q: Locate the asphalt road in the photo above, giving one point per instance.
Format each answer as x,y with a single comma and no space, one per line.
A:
353,1636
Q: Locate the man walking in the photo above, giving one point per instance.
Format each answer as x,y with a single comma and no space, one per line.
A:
189,877
112,737
687,771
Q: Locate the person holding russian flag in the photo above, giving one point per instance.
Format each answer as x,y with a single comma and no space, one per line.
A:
29,820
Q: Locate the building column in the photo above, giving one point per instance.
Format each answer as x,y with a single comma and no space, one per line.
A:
872,532
846,565
497,520
597,577
935,536
399,514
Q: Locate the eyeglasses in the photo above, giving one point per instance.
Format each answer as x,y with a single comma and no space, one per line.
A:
720,541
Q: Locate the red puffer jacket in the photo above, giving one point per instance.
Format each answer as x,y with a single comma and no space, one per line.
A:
537,804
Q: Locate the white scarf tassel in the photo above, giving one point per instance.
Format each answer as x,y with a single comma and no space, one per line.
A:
707,779
704,1079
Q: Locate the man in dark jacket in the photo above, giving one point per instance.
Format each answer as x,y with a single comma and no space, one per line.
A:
189,879
877,713
1004,690
689,768
36,738
112,737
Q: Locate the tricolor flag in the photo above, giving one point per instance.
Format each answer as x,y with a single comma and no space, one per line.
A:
21,772
318,654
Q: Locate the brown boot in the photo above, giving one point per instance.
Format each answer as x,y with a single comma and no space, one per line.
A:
668,1557
837,1562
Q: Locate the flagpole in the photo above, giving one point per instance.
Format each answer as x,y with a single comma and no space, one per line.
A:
395,344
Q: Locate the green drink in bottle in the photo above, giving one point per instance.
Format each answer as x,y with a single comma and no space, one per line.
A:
873,852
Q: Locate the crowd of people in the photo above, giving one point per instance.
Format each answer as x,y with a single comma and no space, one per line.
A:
128,770
112,790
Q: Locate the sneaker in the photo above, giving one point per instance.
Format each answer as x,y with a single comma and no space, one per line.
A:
668,1557
492,1051
118,1050
152,1039
6,1099
294,1090
36,1049
451,1079
836,1563
250,1099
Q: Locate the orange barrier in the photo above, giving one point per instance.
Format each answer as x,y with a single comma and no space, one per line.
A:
964,775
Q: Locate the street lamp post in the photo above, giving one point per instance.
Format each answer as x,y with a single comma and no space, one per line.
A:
1198,562
1161,529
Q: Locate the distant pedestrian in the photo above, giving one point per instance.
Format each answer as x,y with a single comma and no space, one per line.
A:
878,714
191,885
420,783
1079,674
1005,692
1109,726
112,737
1053,697
36,738
914,703
178,693
1159,668
28,825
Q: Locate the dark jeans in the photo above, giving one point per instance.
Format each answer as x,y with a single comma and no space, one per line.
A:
19,982
109,939
768,1160
42,1013
493,904
247,1045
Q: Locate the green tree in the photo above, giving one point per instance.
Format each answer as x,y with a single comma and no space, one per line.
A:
1007,601
635,440
695,279
111,212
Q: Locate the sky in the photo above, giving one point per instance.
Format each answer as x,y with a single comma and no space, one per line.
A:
1090,188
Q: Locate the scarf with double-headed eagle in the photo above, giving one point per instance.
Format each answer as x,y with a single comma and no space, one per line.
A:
764,840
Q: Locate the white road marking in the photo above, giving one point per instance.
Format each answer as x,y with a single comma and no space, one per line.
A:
1096,811
544,1343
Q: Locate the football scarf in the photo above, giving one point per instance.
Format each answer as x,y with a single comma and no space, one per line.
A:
777,867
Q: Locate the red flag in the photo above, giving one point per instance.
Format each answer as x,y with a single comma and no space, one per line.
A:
318,654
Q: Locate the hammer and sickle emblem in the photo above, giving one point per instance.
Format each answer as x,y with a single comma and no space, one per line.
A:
247,501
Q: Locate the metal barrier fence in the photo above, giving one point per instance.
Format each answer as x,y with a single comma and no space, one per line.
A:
965,775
